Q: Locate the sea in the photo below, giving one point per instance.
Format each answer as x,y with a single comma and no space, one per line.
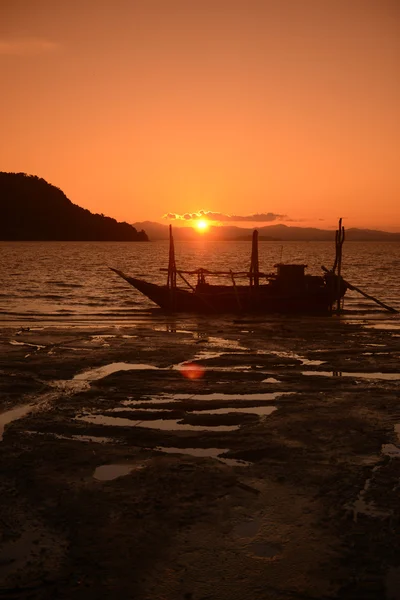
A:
70,282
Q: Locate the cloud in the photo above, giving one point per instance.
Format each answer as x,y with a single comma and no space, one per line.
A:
25,46
224,218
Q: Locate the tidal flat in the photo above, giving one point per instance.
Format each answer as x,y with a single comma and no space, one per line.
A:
200,458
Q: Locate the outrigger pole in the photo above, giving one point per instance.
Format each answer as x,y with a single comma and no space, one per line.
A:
339,239
357,289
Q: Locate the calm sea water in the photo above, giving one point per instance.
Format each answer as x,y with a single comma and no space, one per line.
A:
70,281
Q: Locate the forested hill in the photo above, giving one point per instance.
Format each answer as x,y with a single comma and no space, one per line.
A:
32,209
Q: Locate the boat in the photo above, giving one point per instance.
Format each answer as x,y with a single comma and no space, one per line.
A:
289,289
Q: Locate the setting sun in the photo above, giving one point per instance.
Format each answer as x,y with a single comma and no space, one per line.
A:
202,225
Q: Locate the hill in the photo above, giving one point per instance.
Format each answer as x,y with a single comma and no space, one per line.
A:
281,233
158,231
32,209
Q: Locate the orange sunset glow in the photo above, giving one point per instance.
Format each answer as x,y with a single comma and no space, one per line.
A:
202,225
235,107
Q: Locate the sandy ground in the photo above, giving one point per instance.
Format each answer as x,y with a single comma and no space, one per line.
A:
274,475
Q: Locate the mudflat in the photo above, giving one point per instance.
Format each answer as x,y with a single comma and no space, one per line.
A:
202,459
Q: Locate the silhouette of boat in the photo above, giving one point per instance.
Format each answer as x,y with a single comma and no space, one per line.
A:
288,290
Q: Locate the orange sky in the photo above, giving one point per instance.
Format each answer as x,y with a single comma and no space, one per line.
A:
137,108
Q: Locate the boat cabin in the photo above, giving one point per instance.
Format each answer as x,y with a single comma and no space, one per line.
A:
290,272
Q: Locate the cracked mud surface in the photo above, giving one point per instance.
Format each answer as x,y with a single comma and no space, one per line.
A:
273,475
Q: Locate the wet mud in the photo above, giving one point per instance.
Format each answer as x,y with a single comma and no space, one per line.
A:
201,459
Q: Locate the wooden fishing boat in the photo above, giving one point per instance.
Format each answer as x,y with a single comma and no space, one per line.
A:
287,290
290,290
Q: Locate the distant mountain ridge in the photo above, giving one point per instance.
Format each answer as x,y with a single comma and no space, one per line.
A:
34,210
281,233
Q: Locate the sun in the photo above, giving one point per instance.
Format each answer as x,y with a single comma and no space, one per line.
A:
202,224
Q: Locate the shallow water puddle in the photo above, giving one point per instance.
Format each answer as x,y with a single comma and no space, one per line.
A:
167,424
110,472
81,381
12,415
203,355
161,424
385,326
43,401
167,398
233,344
171,329
385,376
175,425
120,409
37,346
199,452
234,462
240,368
102,338
218,396
205,453
261,411
209,356
101,372
96,439
229,345
377,345
282,354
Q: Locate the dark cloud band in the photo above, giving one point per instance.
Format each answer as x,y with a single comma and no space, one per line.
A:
223,218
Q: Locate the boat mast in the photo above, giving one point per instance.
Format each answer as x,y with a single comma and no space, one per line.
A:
171,279
338,261
254,266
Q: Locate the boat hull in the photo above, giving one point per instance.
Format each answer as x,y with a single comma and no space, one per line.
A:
210,299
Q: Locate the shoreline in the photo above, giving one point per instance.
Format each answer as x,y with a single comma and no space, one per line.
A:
253,480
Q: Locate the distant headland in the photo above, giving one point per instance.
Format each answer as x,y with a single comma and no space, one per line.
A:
274,233
34,210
